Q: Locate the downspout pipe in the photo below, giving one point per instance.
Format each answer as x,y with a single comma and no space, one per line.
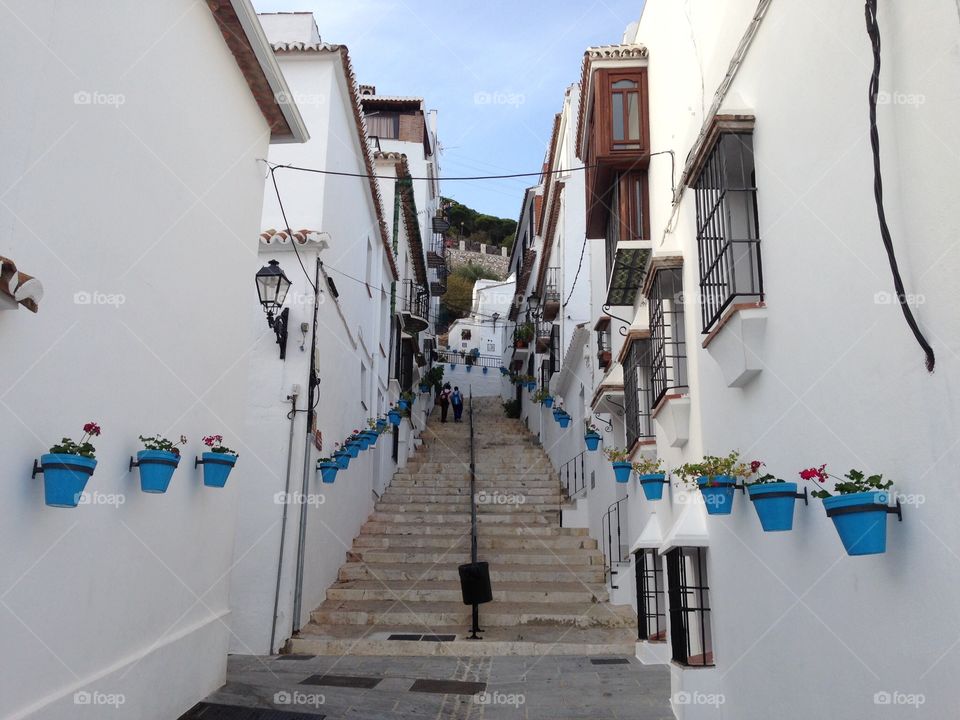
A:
283,522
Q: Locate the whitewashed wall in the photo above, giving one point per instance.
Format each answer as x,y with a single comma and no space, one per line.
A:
140,218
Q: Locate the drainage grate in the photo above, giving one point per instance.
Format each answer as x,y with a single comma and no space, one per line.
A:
404,637
217,711
425,638
295,657
344,681
451,687
609,661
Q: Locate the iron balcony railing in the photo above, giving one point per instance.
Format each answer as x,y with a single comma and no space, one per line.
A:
458,357
415,301
572,477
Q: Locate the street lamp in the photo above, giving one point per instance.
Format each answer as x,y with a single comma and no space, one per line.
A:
272,287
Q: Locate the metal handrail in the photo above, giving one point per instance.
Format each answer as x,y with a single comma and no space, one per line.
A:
608,555
473,513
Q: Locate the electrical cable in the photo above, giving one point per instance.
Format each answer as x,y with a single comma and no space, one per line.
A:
873,31
293,241
579,265
539,173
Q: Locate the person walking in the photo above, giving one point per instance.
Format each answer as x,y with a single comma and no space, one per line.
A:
456,399
444,402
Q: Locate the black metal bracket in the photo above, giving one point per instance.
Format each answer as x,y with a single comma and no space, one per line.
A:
609,425
609,399
889,509
280,330
626,323
37,469
133,464
782,494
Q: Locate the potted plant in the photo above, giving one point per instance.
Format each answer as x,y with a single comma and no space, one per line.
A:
67,467
341,456
591,435
354,444
622,467
406,400
716,477
157,462
328,468
370,434
563,418
523,335
381,425
503,370
394,416
548,401
773,498
652,477
424,386
858,509
217,462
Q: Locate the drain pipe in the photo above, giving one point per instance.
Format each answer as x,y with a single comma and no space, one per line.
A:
283,523
312,383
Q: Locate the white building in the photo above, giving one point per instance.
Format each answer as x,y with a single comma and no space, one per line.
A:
815,365
482,330
131,191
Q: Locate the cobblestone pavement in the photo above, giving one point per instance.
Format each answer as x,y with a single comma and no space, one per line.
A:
531,688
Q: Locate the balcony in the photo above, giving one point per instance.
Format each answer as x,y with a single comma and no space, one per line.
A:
414,303
523,336
544,333
551,294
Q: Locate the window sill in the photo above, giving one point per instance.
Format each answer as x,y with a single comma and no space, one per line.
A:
737,343
672,414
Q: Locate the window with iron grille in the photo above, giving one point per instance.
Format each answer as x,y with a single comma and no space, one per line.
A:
637,392
728,237
689,599
651,605
555,349
406,366
668,348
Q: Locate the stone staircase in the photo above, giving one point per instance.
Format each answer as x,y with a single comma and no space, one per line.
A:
401,576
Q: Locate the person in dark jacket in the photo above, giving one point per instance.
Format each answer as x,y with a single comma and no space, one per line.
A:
456,399
445,402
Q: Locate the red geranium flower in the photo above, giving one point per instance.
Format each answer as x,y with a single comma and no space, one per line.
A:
91,428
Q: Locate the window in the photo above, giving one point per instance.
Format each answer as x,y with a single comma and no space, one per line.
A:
383,124
604,347
637,392
554,349
625,113
651,606
690,635
727,227
364,385
668,348
612,236
491,346
634,192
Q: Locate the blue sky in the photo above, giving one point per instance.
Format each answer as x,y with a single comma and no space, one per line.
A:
495,71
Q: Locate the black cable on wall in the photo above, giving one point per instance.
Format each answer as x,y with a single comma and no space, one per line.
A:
873,31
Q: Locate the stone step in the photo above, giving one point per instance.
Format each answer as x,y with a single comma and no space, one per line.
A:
496,542
542,556
481,483
388,572
494,614
372,527
458,491
530,641
462,519
501,503
447,591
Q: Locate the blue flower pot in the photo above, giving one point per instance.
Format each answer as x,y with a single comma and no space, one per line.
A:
564,420
592,441
485,370
424,388
342,458
531,386
394,417
328,471
156,469
403,404
548,401
557,412
622,470
652,484
863,532
718,495
64,478
354,447
774,504
371,437
217,467
381,424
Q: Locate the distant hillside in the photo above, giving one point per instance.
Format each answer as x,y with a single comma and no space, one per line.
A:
467,224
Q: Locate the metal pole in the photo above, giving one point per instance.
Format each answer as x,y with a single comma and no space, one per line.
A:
473,519
283,522
311,387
